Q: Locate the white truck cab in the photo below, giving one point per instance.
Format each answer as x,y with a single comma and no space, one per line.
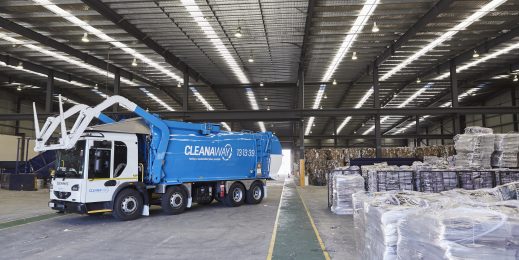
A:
88,175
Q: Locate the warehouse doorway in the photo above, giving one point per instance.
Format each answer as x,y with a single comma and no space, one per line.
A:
286,166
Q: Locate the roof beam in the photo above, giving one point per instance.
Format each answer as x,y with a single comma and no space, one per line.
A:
85,57
460,58
131,29
298,114
439,8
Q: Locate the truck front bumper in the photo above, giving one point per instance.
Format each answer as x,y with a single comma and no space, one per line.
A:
67,206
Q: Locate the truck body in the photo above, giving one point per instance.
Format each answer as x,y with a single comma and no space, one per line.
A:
124,167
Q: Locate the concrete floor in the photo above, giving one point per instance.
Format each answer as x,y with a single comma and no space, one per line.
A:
202,232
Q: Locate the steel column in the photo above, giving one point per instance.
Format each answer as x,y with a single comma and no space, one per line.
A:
376,105
302,153
185,97
454,95
117,85
49,92
335,132
514,104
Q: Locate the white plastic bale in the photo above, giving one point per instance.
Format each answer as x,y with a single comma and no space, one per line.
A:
466,231
343,188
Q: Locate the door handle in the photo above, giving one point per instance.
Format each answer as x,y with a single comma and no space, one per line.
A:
110,183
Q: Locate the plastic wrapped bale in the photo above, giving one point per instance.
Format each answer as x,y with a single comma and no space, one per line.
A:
506,176
478,130
436,181
500,193
474,150
359,220
390,180
376,222
506,149
472,180
465,231
343,188
346,170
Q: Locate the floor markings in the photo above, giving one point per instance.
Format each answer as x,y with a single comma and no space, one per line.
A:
274,232
323,248
24,221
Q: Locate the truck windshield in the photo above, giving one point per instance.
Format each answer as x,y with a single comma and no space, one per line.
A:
69,163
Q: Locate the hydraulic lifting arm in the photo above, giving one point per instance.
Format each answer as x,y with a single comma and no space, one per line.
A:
86,114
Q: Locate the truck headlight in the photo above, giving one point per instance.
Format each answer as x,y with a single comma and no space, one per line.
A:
75,187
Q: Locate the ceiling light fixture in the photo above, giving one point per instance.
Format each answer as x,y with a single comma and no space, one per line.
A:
251,58
98,33
134,62
19,88
20,65
351,36
478,14
238,33
85,38
475,54
179,85
515,78
334,82
254,105
265,98
354,56
418,81
208,30
262,84
375,28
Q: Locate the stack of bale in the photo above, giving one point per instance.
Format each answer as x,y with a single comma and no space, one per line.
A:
474,148
456,224
506,149
343,188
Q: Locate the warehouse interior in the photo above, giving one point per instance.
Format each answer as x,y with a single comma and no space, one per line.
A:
390,114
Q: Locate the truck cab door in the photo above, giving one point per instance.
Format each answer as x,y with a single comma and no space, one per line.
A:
100,183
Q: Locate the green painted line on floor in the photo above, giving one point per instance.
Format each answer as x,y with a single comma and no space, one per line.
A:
295,238
24,221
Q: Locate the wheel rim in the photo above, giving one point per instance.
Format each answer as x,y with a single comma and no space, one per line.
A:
237,194
176,200
129,205
256,193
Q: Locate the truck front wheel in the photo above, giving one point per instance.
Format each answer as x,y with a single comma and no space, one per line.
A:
174,201
235,195
128,205
255,193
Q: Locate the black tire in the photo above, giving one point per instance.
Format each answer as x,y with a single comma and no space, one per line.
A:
174,201
235,196
255,193
128,205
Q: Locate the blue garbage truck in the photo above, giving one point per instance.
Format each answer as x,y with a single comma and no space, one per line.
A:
124,167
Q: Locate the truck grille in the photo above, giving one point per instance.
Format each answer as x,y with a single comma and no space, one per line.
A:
62,195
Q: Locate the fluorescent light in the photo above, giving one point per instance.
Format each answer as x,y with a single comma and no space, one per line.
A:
343,124
103,95
64,58
369,130
446,36
359,105
317,104
355,30
254,105
207,105
481,60
206,27
98,33
158,100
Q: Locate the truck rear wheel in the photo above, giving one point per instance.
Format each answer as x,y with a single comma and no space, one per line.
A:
235,195
174,201
128,205
255,193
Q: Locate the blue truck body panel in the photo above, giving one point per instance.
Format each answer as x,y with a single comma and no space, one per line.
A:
202,152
